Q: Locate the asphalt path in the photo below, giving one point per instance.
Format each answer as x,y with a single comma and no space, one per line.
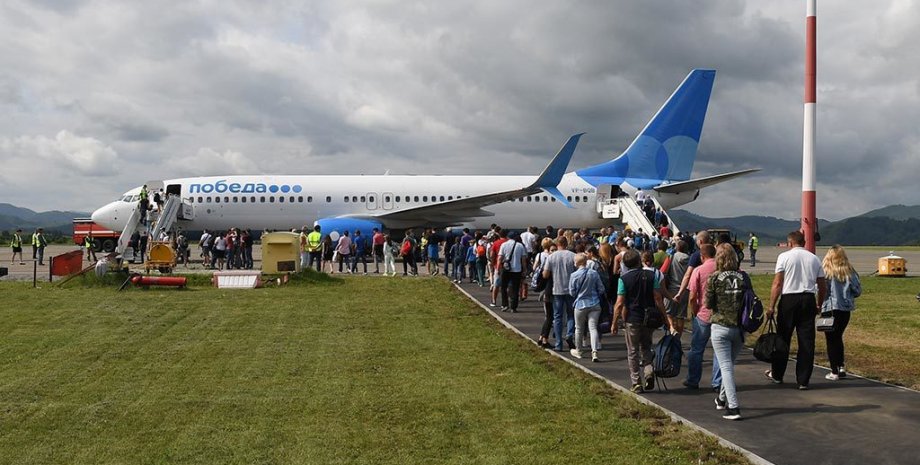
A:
849,421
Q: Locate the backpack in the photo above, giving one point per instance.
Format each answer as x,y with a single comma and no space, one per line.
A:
752,313
480,250
668,356
537,281
406,248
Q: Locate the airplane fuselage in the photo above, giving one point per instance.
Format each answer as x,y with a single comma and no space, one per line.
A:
285,202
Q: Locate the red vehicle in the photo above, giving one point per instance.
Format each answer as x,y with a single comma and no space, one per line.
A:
106,239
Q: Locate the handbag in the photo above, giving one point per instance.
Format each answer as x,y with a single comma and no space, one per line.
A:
769,345
825,322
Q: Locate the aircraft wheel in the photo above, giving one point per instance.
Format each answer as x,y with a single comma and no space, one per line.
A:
108,245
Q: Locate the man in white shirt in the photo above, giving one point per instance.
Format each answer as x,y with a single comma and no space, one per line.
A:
529,239
511,263
799,290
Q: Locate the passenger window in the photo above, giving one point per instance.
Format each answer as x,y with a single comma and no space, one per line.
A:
528,198
354,198
442,198
450,197
363,199
291,199
271,199
328,199
397,199
346,199
252,199
309,199
235,199
200,200
281,199
262,199
243,199
552,199
545,198
416,198
424,198
584,199
569,198
371,199
216,199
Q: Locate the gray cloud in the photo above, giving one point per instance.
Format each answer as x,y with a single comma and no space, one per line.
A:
142,91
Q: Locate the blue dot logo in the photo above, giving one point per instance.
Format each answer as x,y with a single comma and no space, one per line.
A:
273,188
285,188
297,189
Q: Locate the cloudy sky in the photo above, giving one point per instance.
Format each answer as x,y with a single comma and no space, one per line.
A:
97,97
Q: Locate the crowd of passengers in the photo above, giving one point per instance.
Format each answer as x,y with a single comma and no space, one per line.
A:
616,278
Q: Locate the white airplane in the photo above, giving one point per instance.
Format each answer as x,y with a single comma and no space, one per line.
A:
659,161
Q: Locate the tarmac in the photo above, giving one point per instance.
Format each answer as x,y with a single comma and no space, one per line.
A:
855,420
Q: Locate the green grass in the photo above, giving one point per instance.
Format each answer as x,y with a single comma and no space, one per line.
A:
322,371
880,338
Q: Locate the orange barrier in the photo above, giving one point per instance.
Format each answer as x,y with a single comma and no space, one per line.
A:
67,264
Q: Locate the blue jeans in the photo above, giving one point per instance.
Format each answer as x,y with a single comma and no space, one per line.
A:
563,308
727,341
698,341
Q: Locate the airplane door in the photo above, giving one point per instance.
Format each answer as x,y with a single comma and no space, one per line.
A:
387,200
371,200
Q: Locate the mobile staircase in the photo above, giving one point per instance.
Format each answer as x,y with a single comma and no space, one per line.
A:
630,213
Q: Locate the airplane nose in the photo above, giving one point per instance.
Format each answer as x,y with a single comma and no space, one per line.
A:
107,216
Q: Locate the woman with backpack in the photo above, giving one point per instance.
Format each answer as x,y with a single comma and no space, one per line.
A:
725,298
843,288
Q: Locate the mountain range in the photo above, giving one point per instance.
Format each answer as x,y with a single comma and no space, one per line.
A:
12,217
888,226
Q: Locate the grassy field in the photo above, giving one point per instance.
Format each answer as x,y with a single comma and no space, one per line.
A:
321,371
880,341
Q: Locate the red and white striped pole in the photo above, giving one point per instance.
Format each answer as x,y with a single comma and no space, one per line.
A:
809,213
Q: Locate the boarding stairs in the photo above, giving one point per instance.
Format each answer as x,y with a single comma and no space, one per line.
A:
630,213
166,219
135,222
155,222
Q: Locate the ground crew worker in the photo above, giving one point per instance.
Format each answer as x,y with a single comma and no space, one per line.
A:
753,243
314,247
16,245
90,245
38,246
144,204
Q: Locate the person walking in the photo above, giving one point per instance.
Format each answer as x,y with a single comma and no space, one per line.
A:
38,246
328,253
753,244
378,240
409,244
389,252
637,294
559,267
586,288
546,293
315,248
511,257
304,248
798,291
360,248
725,299
701,316
343,252
90,245
674,275
16,246
843,289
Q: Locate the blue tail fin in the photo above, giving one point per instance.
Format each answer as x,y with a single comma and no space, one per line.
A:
666,148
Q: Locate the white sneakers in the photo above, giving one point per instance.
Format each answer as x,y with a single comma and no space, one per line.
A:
575,353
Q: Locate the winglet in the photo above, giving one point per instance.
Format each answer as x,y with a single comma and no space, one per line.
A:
552,174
